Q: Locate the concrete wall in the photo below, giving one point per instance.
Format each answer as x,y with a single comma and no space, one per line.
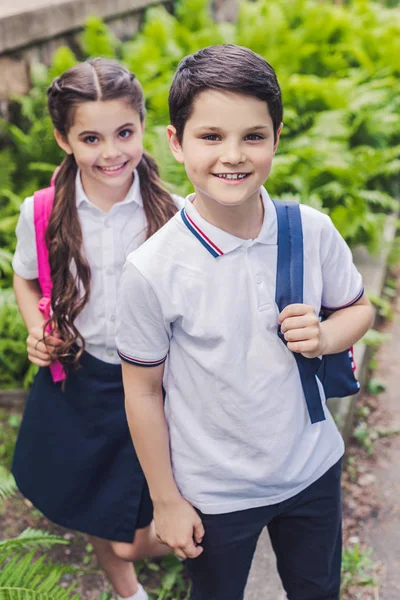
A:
31,30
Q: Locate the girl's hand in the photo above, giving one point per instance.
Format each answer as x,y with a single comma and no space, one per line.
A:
179,526
302,330
38,352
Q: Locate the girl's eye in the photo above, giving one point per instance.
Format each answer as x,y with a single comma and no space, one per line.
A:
211,137
90,139
125,133
254,137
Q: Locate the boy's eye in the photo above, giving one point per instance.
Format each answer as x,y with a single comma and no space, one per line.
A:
211,137
125,133
254,137
90,139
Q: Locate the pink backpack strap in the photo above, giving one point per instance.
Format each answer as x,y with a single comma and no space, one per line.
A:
42,206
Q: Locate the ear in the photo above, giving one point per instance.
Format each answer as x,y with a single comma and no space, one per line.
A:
278,135
174,144
62,142
143,124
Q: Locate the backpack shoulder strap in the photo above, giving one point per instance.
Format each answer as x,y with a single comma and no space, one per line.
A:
290,265
289,290
42,206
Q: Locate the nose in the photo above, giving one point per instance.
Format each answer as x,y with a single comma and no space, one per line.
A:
232,153
110,150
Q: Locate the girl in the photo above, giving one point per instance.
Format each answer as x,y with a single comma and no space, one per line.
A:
74,457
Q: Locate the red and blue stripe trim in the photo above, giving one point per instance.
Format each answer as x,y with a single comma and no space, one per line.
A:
356,299
201,236
141,363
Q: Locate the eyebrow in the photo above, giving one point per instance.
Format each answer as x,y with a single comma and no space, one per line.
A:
212,128
97,133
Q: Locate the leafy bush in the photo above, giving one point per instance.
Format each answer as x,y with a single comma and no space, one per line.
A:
339,70
24,576
14,364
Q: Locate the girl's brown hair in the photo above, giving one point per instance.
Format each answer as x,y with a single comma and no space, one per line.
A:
93,80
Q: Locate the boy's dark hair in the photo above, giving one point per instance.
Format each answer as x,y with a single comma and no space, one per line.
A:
226,68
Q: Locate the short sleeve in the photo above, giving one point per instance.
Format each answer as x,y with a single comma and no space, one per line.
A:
142,334
25,257
342,282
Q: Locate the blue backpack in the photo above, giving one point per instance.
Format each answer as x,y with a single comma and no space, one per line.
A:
334,371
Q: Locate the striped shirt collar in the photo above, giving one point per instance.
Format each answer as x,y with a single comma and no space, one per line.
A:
219,242
133,194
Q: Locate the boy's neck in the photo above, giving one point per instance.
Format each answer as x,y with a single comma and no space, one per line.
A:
243,221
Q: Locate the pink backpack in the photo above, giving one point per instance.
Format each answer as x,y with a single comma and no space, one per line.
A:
42,205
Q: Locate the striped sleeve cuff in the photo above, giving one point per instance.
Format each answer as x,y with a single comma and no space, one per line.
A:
356,299
139,362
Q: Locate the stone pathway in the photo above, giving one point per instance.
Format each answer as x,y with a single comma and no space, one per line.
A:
382,531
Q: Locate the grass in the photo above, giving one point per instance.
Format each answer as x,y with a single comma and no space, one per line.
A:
9,423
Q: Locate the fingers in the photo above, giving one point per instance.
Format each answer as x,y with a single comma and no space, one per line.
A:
302,334
38,361
301,329
306,319
189,550
198,532
310,348
188,545
40,352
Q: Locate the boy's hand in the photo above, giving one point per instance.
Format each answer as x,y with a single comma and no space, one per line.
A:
179,526
302,330
38,352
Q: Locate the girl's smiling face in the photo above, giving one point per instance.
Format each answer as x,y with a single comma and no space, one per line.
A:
106,139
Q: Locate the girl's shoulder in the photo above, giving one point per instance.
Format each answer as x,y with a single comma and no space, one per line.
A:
26,210
178,201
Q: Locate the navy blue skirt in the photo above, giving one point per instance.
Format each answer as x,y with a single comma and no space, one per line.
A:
74,458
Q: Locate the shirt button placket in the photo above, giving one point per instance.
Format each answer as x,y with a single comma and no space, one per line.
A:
109,284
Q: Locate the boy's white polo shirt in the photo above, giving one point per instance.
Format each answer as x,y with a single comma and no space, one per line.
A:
240,433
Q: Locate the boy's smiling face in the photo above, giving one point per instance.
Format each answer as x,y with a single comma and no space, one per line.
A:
227,147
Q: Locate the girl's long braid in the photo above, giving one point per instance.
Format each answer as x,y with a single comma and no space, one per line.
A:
157,202
94,80
70,271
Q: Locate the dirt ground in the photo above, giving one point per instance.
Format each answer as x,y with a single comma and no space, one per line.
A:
371,484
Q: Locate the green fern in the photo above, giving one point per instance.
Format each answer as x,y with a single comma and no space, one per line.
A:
29,538
24,576
7,484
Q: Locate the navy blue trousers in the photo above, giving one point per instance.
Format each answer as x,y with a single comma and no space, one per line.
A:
306,536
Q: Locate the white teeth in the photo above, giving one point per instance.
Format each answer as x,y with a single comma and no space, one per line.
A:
231,175
112,168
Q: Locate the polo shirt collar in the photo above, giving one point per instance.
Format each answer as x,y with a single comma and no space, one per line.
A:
133,194
219,242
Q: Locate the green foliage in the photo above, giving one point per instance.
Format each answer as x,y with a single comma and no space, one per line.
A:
339,70
98,40
168,573
13,358
7,484
376,386
357,567
366,436
9,424
24,575
375,338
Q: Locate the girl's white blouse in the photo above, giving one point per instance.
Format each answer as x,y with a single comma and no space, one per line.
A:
108,238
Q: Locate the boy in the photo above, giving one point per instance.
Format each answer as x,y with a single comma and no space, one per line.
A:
235,450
